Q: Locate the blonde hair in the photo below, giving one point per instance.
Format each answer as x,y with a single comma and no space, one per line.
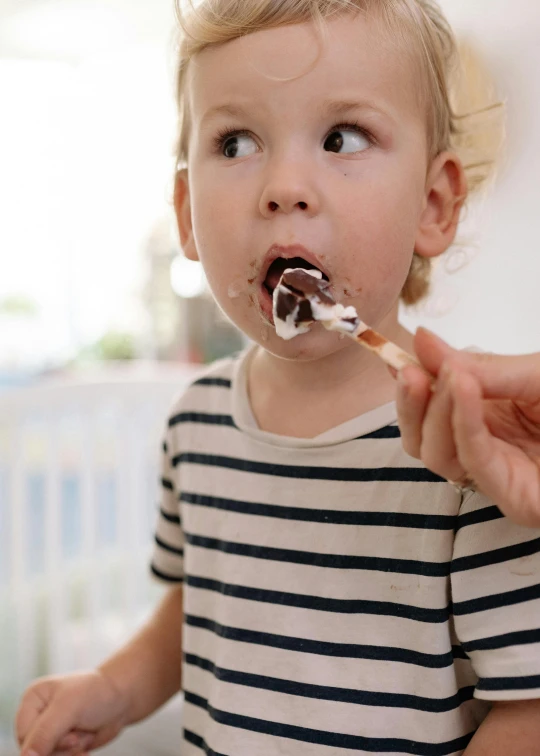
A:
459,110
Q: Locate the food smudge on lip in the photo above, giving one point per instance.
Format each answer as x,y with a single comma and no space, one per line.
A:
243,285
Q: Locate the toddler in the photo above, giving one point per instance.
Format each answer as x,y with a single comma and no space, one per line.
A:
327,593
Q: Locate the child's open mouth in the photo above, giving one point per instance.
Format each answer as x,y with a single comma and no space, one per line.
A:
278,268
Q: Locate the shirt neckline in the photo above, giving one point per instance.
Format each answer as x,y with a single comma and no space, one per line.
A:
243,417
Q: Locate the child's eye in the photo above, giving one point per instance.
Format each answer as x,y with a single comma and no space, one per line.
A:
347,140
238,145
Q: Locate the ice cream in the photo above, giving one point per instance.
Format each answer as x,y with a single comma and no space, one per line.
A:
303,297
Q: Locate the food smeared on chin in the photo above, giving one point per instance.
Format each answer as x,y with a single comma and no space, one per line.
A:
302,297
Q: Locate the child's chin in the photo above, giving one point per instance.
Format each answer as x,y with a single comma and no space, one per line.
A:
308,347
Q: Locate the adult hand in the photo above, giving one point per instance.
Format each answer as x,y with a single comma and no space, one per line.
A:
478,418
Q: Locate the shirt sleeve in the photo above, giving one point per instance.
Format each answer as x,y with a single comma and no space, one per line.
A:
167,564
495,581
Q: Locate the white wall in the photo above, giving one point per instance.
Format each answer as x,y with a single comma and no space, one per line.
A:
496,298
86,149
83,193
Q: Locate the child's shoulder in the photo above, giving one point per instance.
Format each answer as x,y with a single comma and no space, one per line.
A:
210,385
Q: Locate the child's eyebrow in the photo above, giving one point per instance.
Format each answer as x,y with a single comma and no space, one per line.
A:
235,111
346,107
336,108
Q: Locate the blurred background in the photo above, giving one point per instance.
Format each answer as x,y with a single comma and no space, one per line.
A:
103,321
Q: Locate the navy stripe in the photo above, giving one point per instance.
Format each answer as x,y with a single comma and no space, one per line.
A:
332,739
497,556
326,516
511,598
203,418
390,431
478,516
327,693
168,547
521,638
167,484
197,741
458,652
175,519
163,576
509,683
222,382
354,474
321,604
322,648
330,561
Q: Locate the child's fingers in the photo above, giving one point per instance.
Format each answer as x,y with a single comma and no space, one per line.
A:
86,742
438,451
69,742
31,707
104,736
47,731
412,397
76,741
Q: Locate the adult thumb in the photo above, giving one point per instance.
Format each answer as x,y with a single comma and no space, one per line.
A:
431,350
515,377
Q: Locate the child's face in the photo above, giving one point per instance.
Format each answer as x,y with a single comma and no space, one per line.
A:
298,156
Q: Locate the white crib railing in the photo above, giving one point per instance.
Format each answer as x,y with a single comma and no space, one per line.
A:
78,489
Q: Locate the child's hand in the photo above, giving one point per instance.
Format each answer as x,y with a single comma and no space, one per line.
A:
481,422
69,715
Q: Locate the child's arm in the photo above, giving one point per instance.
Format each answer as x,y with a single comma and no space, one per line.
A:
510,729
147,670
86,711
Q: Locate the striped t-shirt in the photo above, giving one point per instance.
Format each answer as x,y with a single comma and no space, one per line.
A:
338,596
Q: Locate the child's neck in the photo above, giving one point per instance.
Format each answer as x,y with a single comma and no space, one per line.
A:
305,399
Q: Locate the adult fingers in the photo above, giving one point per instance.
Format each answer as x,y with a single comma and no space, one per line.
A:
476,447
431,350
412,397
501,471
514,377
438,450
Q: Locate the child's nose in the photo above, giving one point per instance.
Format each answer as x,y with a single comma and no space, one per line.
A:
274,207
287,195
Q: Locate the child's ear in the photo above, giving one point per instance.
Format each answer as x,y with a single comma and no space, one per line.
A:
446,192
182,206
